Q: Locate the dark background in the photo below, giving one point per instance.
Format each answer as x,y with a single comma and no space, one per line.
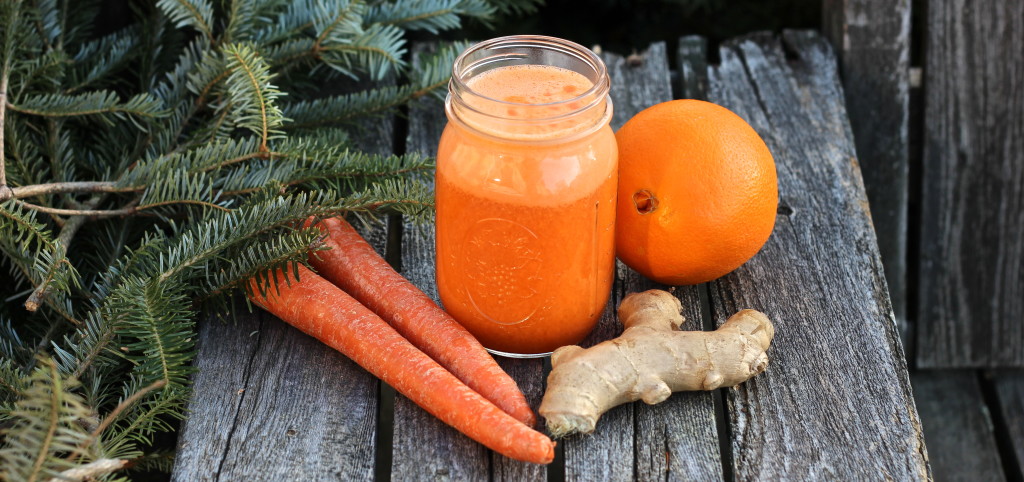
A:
617,25
624,25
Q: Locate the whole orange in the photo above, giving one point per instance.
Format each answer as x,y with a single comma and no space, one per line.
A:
697,194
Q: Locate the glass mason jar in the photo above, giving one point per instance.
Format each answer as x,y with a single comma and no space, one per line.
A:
525,194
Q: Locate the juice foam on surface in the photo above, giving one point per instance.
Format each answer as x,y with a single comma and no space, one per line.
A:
530,84
529,102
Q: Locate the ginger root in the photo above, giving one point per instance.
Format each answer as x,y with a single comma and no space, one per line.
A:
650,360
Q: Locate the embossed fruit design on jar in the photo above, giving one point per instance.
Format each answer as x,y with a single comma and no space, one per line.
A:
525,193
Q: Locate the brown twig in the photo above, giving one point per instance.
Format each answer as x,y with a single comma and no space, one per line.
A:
35,300
104,213
5,192
67,187
91,470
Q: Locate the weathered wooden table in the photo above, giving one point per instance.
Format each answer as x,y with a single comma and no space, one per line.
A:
835,403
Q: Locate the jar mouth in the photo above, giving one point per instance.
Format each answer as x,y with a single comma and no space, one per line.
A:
509,51
566,118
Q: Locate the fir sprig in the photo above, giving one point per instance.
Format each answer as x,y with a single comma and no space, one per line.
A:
169,163
44,425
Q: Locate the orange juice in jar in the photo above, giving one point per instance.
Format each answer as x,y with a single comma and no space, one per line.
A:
525,194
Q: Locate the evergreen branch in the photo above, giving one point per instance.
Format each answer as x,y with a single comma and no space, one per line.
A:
240,20
159,460
146,418
92,103
245,157
207,240
63,25
47,69
47,23
297,17
155,325
24,160
206,72
251,93
23,229
194,202
288,249
318,168
116,412
99,58
43,260
67,233
192,13
205,158
177,81
375,51
282,55
343,109
12,379
94,338
11,345
43,426
345,22
431,75
180,187
52,425
430,16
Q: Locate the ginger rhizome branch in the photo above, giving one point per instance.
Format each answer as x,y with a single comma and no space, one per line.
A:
650,360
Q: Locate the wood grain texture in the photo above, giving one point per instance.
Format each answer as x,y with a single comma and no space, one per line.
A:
835,402
1010,391
957,426
677,439
971,297
872,40
271,403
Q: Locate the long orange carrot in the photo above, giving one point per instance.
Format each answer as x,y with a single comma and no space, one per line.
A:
357,269
322,310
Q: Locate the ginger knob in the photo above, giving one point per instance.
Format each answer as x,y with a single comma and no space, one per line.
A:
651,360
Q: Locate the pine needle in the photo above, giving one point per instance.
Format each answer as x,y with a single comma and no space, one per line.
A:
146,171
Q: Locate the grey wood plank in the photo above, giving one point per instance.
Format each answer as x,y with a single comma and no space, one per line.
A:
872,40
692,55
971,289
835,402
263,387
217,389
677,439
1010,390
957,426
424,447
271,403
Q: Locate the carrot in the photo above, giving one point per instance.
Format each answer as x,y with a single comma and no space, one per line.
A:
322,310
357,269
